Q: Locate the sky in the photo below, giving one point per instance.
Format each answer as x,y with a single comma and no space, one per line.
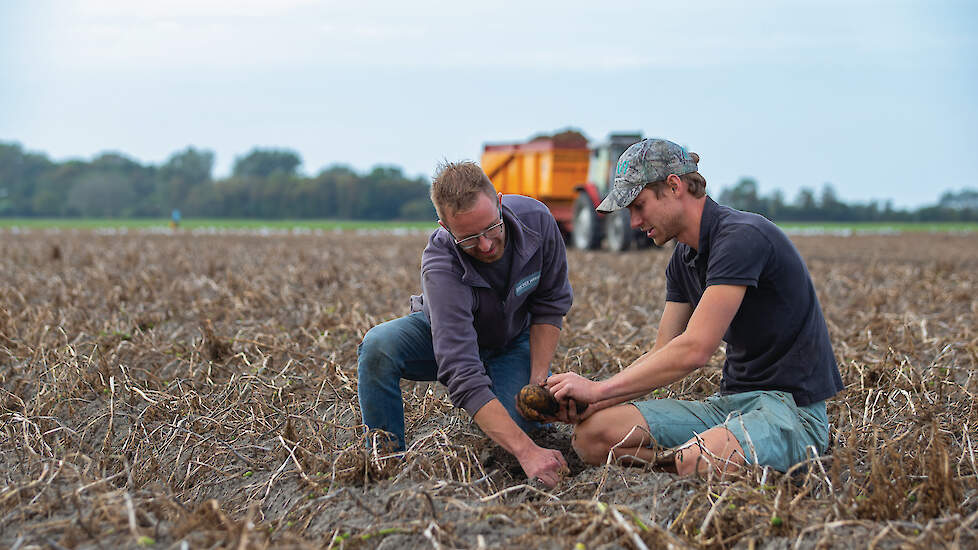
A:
877,98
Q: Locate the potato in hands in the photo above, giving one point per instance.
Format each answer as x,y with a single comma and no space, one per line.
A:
538,404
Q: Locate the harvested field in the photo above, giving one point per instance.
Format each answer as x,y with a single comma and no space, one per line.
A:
179,391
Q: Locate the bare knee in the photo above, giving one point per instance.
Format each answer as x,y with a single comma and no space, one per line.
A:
716,449
598,437
590,443
688,460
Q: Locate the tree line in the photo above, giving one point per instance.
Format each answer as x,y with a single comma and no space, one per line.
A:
960,206
265,183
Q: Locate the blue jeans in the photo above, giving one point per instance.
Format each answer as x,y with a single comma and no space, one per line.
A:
402,349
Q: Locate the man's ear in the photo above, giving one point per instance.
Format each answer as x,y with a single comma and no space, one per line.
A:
675,183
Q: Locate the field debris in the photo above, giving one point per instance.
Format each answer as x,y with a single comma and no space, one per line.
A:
199,391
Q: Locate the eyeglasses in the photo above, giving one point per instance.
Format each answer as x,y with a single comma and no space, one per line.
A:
491,232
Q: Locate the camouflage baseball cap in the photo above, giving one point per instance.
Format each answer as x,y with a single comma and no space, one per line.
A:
647,161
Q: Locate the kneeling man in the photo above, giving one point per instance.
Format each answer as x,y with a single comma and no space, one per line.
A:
733,276
494,294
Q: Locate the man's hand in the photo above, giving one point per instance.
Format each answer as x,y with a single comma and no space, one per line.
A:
546,465
571,412
569,385
535,402
595,407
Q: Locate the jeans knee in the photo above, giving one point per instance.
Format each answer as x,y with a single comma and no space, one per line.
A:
374,356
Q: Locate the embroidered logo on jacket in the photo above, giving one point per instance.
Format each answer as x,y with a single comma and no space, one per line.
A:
527,284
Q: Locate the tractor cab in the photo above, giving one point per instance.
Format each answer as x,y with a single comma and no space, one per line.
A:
604,158
572,179
589,227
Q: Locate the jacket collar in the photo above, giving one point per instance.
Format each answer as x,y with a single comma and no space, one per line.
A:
522,238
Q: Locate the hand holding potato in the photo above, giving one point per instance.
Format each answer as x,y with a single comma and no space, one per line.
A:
538,404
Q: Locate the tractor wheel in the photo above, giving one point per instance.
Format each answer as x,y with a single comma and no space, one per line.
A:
617,230
587,231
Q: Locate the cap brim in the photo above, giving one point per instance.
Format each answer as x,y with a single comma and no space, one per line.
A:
618,198
609,204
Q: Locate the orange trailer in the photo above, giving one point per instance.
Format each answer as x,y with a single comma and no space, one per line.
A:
571,178
543,169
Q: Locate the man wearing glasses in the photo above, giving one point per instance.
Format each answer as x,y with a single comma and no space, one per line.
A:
494,293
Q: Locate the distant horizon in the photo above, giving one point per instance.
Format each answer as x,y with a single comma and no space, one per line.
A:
712,189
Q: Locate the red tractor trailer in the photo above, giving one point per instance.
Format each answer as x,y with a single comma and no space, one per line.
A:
571,177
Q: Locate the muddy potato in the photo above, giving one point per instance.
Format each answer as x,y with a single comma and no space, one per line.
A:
538,404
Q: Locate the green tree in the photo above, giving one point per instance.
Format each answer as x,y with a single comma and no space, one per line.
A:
966,199
53,188
19,172
774,205
345,182
806,209
119,171
102,195
832,208
263,163
743,196
418,209
181,173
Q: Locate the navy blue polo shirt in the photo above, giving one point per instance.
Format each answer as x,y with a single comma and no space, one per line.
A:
778,339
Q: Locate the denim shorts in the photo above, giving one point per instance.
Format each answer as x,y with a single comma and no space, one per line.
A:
771,429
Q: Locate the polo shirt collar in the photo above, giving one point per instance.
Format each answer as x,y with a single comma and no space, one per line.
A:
707,225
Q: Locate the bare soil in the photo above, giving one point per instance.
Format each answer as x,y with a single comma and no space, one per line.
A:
196,391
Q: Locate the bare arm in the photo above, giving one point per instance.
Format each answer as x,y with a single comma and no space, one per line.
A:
543,343
668,362
675,317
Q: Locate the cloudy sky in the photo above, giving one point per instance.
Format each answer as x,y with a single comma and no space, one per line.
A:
876,97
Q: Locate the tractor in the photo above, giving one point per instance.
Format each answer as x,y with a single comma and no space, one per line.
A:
571,178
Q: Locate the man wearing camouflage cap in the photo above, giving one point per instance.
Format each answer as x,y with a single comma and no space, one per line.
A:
733,276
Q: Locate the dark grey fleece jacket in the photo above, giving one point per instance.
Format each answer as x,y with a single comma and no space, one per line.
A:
466,315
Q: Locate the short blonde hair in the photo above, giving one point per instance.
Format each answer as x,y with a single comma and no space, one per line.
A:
457,185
